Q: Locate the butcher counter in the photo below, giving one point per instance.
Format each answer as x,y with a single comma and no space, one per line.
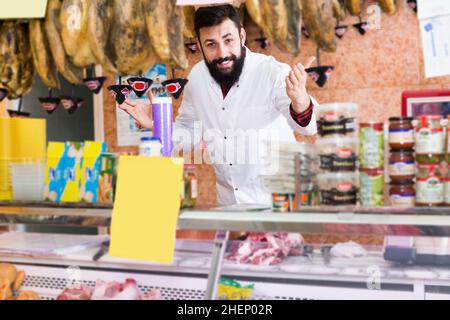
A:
198,265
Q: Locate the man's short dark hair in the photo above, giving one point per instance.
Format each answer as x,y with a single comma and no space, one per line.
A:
215,15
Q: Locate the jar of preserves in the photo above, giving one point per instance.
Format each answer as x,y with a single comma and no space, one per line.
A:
429,158
401,165
402,193
429,185
430,137
189,189
401,133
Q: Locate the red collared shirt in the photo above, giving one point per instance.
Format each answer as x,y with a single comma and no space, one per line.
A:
303,118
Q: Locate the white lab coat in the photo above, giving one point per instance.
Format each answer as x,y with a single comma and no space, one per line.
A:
257,105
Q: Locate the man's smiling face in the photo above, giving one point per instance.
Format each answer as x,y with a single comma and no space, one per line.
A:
222,47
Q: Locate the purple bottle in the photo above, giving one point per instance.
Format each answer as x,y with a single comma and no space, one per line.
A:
162,111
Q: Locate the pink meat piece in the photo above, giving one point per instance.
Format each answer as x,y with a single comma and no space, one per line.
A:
244,250
295,252
106,290
99,290
255,247
267,248
270,261
257,236
113,290
285,242
260,255
80,292
116,291
278,241
153,294
130,292
295,241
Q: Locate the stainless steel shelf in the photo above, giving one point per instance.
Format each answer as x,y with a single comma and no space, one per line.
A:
319,223
329,220
55,218
50,209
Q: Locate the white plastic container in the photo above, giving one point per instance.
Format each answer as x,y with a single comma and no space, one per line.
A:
337,119
340,188
28,181
28,191
338,154
150,147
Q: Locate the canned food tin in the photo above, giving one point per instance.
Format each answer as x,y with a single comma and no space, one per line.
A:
371,137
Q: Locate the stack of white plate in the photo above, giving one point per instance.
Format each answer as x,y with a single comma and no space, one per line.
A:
28,181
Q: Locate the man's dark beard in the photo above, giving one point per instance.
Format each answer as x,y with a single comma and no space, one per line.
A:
227,78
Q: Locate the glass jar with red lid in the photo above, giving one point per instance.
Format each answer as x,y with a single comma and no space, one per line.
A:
430,135
401,133
429,185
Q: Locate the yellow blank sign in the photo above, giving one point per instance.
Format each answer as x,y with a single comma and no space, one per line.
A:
146,208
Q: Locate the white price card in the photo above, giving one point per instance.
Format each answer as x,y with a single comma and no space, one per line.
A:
436,45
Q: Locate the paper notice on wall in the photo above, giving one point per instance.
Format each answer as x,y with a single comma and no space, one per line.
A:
432,8
436,45
127,132
434,16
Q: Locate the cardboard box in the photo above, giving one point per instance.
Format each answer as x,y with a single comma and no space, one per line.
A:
63,171
90,170
107,179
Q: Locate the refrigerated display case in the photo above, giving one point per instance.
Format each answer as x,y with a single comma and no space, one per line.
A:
197,265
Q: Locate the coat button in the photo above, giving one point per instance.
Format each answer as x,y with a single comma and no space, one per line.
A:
236,189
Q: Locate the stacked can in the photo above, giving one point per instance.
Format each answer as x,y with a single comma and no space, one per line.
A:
401,167
430,160
338,153
371,172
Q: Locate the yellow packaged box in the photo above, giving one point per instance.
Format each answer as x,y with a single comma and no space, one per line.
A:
90,170
107,179
63,171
